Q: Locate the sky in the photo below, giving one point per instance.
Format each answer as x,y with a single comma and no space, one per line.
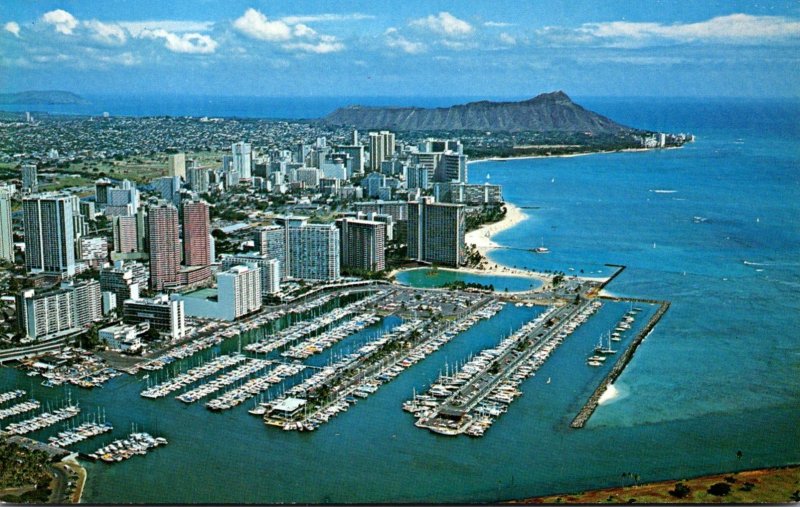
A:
502,48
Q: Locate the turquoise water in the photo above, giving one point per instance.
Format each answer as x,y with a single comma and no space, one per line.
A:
720,373
426,278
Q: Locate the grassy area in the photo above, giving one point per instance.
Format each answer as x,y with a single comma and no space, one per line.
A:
769,485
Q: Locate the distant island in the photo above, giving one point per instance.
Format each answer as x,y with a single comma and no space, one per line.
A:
40,97
546,125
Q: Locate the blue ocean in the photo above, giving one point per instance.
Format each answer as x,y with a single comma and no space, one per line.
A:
713,227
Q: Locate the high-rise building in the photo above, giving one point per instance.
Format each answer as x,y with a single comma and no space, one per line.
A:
59,312
198,179
242,159
88,210
313,251
270,269
238,293
101,188
271,242
177,165
240,288
94,251
6,224
50,235
363,244
436,232
376,151
30,178
123,200
372,182
397,209
124,229
356,155
162,312
196,230
165,248
169,187
125,280
452,167
388,144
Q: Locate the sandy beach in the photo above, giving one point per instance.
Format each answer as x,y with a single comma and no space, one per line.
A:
481,238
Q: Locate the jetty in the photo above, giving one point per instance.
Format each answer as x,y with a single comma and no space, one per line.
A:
591,404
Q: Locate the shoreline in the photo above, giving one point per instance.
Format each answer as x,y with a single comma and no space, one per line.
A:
765,482
568,155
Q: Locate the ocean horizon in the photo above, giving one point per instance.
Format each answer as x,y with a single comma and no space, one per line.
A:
314,107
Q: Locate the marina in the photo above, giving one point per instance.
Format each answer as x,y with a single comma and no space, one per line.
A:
357,375
469,400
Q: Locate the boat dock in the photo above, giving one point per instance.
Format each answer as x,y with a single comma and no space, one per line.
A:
11,395
128,447
250,367
331,337
190,377
19,408
254,387
83,432
471,397
306,328
41,421
591,404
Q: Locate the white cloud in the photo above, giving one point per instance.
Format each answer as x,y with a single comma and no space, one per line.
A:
444,23
314,18
192,43
288,30
12,27
171,25
106,33
320,48
256,25
63,21
730,29
301,30
507,39
395,40
497,24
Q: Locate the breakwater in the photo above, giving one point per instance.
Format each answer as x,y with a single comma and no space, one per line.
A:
591,404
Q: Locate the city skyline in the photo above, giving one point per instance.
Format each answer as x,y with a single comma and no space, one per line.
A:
376,49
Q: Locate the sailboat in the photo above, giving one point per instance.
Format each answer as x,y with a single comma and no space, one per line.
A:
541,249
607,349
